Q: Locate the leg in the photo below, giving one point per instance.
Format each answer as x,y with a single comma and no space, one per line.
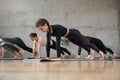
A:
79,52
19,54
18,42
53,46
22,45
77,38
90,54
13,49
10,47
109,50
102,47
92,46
65,50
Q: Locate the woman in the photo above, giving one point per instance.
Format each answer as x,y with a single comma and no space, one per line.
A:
17,41
59,31
99,44
40,42
12,48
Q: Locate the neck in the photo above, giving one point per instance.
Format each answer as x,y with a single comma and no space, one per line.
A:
51,30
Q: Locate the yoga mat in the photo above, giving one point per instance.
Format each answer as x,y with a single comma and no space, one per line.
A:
10,59
53,60
31,60
34,58
117,57
82,59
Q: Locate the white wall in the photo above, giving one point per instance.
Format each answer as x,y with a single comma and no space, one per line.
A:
97,18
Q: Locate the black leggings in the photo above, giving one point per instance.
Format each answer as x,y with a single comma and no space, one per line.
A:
10,47
77,38
100,45
19,42
53,46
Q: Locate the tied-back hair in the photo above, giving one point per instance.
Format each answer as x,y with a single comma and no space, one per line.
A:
33,34
41,22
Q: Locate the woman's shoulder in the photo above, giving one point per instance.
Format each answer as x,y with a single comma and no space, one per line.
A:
57,25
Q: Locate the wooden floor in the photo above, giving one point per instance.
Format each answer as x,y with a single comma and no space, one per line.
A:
81,70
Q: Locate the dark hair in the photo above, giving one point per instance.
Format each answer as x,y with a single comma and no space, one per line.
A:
42,22
33,35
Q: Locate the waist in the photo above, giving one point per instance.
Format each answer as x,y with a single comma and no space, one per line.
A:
68,30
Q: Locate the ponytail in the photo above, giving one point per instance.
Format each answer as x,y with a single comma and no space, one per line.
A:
42,22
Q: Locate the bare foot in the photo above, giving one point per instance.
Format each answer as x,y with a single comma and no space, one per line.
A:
78,56
101,58
15,57
89,56
21,54
70,56
35,54
101,55
113,56
92,56
63,56
106,56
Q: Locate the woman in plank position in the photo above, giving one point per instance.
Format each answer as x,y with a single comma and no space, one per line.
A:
39,41
73,35
99,44
12,48
17,41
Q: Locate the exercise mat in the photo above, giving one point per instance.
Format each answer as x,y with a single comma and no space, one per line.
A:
73,59
10,59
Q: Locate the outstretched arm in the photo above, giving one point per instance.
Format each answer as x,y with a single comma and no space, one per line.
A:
58,38
39,47
48,45
34,50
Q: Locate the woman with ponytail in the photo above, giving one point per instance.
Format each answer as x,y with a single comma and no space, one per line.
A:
73,35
